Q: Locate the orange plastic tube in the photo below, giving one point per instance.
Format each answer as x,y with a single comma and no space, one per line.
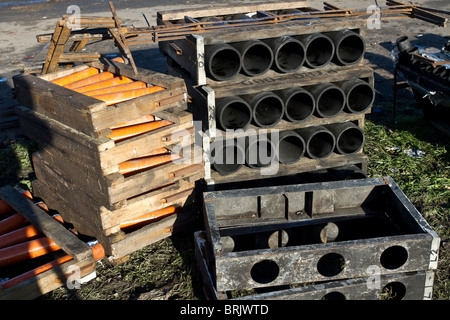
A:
118,59
102,76
12,223
5,208
76,76
131,131
27,250
145,163
140,120
138,222
156,152
21,235
119,88
117,97
16,220
97,250
104,84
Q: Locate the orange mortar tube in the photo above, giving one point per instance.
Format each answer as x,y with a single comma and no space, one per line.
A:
131,131
5,208
16,220
148,217
140,120
118,88
102,76
27,250
104,84
146,163
117,97
23,234
76,76
97,251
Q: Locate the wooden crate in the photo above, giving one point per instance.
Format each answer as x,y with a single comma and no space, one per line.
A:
265,237
402,286
92,116
93,163
47,281
104,225
189,53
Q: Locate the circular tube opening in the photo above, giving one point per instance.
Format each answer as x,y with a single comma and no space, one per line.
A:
223,62
268,110
321,145
330,102
331,264
350,49
360,97
319,51
299,106
227,158
291,148
257,58
290,56
393,291
394,257
264,271
350,141
233,113
334,295
260,153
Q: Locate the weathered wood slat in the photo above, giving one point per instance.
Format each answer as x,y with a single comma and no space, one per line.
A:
49,226
226,9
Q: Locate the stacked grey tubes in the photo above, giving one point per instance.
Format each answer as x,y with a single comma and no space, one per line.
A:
266,108
317,142
285,54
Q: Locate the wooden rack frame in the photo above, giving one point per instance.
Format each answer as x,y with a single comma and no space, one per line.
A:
101,28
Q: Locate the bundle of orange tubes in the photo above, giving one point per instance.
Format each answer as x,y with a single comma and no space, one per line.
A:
113,89
20,241
106,86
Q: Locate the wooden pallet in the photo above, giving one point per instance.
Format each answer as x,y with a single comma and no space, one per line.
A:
92,116
405,286
93,163
104,225
47,281
259,235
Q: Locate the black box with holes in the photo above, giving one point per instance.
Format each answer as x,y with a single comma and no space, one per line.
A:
295,235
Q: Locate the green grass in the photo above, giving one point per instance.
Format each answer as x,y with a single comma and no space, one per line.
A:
425,180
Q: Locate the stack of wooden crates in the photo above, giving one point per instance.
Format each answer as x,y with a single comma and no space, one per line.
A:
77,165
240,219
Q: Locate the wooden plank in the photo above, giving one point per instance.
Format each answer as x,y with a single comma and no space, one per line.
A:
102,153
226,9
47,131
145,75
152,233
49,226
59,103
303,165
62,73
47,281
78,57
59,41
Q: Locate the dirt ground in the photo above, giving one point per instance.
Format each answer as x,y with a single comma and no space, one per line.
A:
21,24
